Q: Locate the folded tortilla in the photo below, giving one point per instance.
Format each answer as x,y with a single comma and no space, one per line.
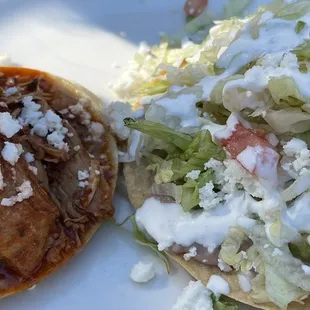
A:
72,188
139,182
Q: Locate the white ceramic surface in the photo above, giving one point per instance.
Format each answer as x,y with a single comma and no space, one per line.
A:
89,41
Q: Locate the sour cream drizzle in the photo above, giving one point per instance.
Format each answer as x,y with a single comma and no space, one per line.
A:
168,224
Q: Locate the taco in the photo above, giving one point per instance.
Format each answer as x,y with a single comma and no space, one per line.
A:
218,163
58,174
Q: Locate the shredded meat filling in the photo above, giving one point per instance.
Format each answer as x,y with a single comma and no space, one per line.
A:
62,207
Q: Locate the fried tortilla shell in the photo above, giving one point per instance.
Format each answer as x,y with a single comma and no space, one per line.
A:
139,182
41,233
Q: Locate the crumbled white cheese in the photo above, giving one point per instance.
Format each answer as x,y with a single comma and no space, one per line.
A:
194,297
306,269
213,163
208,198
29,157
277,252
33,169
10,91
297,149
218,168
79,110
96,130
114,115
49,125
97,172
289,61
194,174
235,175
244,281
223,266
83,184
77,148
218,286
56,140
83,175
294,147
70,134
11,152
8,125
142,272
24,192
192,252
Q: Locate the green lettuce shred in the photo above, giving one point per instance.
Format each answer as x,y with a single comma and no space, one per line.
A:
161,132
197,150
229,252
303,51
284,90
152,88
223,303
258,283
190,190
294,10
280,291
301,250
143,240
300,26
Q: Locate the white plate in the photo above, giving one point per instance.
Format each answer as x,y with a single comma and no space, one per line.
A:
83,40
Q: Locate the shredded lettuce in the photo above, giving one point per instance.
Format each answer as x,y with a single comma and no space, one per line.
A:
223,304
161,132
288,120
303,51
294,10
216,112
279,233
299,186
300,26
156,86
284,90
143,240
281,259
190,190
280,291
229,252
216,95
190,75
197,150
301,249
168,190
258,283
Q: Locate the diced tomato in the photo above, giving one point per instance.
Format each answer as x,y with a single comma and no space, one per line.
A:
252,150
242,138
194,7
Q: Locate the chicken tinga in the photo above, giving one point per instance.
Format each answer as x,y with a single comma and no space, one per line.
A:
58,168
